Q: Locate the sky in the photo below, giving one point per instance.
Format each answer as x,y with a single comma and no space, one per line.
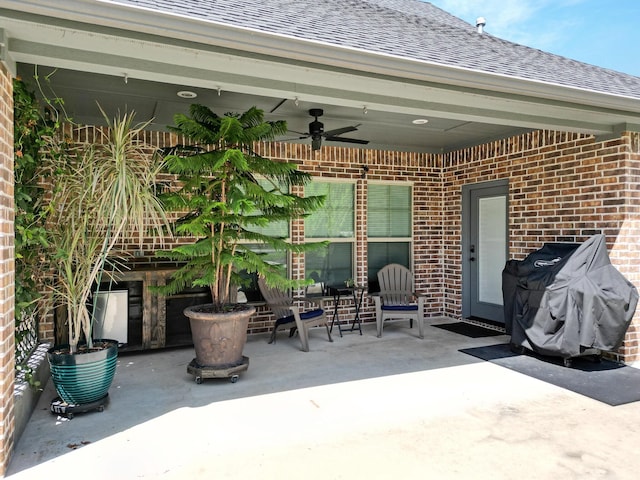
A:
605,33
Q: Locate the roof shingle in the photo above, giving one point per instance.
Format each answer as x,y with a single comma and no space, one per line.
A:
409,29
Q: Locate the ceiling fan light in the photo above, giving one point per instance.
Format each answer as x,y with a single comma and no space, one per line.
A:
420,121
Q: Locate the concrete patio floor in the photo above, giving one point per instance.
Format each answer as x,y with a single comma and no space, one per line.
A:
360,407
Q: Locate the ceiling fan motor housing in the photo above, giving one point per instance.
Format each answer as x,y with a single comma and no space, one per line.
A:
316,128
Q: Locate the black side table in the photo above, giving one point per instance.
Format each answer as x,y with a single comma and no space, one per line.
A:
357,293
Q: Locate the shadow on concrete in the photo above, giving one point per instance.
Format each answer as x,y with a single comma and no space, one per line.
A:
152,384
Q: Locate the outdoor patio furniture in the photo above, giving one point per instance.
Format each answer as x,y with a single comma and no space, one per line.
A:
357,294
397,299
289,316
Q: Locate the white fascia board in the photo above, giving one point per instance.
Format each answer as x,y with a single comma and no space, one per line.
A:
5,54
213,70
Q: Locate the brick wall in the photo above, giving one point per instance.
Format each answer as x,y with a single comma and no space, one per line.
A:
563,188
625,251
7,272
421,170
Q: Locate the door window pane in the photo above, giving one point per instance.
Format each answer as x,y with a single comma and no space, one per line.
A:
492,248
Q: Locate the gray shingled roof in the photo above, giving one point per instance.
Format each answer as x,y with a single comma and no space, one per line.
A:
408,29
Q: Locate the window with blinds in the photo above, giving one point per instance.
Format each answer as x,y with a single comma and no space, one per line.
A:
336,219
250,288
389,228
334,222
274,229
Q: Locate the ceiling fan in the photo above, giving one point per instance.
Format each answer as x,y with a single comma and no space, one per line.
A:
317,133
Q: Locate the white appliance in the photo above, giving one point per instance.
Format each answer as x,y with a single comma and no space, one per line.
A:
112,315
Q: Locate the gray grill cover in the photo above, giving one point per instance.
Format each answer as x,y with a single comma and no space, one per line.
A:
566,298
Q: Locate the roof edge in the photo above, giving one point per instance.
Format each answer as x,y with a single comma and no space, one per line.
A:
111,14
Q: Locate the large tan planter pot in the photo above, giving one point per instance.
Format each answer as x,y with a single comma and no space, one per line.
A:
219,338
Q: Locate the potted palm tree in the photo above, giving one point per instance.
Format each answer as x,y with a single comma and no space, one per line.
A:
101,193
228,196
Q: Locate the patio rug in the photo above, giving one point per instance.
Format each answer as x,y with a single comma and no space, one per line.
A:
606,381
468,329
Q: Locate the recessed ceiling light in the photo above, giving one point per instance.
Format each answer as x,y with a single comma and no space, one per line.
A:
420,121
187,94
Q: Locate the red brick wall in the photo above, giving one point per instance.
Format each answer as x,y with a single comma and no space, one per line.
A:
421,170
625,251
7,272
563,187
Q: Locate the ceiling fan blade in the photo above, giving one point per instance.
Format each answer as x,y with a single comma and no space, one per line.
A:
346,140
340,131
305,134
278,105
291,139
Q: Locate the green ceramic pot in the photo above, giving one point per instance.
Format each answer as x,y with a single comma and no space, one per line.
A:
83,378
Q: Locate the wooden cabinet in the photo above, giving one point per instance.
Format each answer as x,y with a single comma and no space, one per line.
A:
155,320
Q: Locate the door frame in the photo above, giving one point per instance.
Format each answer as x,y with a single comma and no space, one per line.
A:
466,236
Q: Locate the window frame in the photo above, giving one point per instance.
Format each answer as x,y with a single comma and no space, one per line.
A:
352,240
387,240
287,255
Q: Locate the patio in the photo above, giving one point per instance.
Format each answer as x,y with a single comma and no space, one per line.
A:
360,407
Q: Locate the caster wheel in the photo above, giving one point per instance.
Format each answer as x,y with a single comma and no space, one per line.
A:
198,380
234,379
69,416
567,362
101,408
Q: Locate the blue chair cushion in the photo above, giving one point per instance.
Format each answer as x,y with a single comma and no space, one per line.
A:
400,308
311,314
303,316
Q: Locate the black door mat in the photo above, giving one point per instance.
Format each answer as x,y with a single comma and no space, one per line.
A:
469,329
605,381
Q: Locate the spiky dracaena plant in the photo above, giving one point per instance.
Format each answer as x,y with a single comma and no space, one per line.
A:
228,195
101,193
